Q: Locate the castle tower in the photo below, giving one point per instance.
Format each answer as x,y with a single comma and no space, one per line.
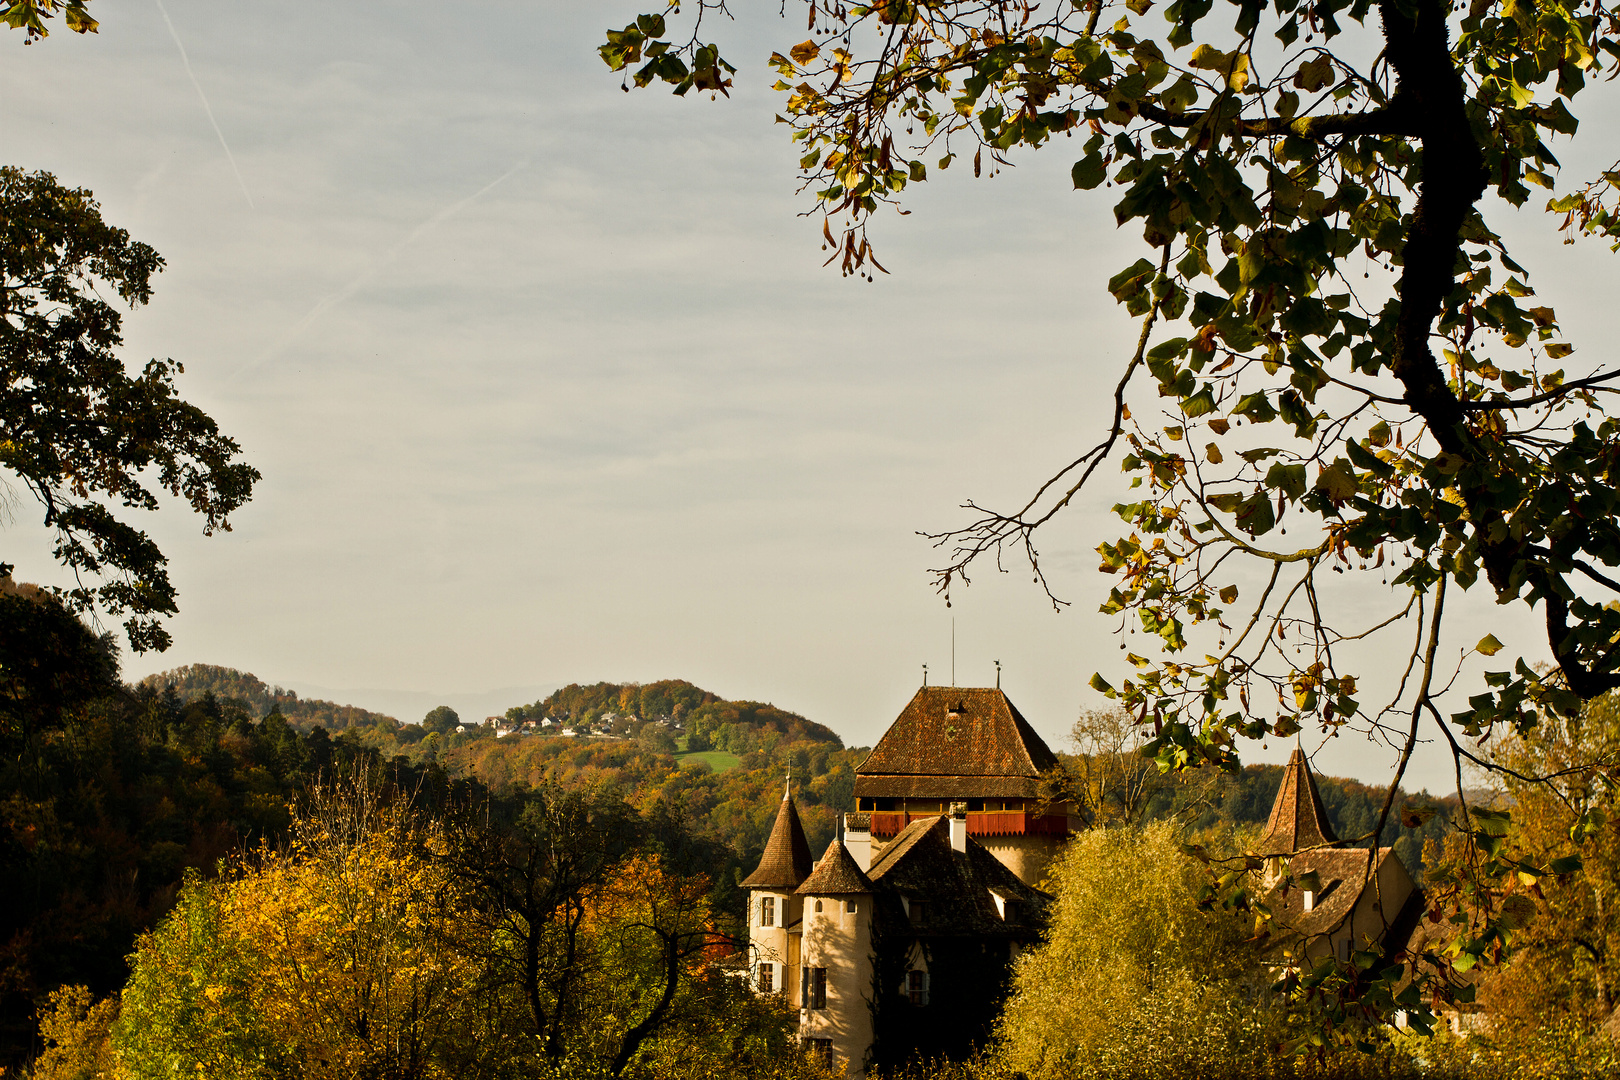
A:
774,907
1344,900
968,745
835,981
1298,820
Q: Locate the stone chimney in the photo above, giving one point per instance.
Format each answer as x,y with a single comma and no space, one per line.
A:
959,826
858,839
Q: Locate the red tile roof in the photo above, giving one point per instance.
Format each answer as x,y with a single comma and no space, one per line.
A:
1298,819
786,861
952,742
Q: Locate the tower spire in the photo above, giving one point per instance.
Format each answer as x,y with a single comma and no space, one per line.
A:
1298,818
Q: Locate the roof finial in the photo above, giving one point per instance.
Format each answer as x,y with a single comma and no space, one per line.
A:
925,674
998,674
787,788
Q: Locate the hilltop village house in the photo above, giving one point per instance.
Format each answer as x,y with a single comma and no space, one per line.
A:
900,940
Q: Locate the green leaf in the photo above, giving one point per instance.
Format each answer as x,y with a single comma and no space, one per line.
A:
1199,404
1488,645
1088,172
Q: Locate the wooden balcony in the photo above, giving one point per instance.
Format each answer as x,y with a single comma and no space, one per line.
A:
886,823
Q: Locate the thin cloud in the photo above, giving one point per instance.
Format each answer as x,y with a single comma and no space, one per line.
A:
186,60
371,271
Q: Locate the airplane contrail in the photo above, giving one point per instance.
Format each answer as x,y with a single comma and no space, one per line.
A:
371,271
186,60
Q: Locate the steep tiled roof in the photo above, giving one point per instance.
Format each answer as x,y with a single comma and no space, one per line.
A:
836,873
786,861
1298,819
958,888
1342,874
958,738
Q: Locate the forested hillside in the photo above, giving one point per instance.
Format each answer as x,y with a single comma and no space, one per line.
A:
121,791
195,680
711,722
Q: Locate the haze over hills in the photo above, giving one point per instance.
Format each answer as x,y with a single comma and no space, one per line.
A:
411,705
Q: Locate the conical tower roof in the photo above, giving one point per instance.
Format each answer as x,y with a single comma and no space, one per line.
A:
836,873
786,861
1298,819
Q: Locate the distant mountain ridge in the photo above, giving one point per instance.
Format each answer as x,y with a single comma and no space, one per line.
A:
196,680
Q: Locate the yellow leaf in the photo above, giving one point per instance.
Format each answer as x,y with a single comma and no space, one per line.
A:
1229,594
1213,452
1488,645
1313,75
804,52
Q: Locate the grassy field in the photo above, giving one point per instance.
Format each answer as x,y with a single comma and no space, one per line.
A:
718,760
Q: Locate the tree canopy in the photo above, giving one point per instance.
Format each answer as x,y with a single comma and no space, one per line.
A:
75,427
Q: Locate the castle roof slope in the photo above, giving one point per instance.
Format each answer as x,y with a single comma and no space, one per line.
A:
835,874
955,742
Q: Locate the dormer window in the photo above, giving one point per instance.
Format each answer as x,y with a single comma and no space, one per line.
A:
1309,900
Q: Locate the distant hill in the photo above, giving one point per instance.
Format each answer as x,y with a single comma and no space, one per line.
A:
195,680
708,719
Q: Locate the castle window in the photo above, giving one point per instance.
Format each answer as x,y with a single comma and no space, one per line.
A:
813,988
767,978
767,911
918,911
851,907
818,905
917,987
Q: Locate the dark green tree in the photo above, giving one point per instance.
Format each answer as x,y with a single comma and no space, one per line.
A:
442,719
76,428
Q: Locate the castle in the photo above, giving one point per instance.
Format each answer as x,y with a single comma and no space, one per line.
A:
900,940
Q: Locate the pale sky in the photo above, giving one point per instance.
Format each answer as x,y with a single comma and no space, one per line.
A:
548,385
